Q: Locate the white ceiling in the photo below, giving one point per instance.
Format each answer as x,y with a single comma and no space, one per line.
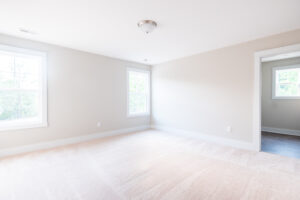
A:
185,27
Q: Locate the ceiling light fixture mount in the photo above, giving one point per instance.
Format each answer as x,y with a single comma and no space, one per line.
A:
28,31
147,26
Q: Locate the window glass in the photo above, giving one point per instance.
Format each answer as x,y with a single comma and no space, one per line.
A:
138,88
287,82
21,88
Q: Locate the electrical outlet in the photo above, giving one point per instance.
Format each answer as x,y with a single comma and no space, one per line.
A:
99,124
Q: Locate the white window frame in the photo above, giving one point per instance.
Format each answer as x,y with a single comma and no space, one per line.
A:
147,113
24,123
274,69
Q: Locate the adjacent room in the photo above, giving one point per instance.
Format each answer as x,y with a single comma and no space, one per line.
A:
149,100
280,103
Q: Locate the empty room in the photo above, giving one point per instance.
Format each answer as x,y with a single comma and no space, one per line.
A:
280,103
149,100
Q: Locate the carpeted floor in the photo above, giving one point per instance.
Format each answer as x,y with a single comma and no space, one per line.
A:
149,165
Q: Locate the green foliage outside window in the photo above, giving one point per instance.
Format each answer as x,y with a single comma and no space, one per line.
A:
138,92
288,82
19,85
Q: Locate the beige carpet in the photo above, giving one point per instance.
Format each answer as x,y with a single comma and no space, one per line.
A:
149,165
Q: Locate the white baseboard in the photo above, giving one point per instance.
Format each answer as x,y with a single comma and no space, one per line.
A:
73,140
209,138
281,131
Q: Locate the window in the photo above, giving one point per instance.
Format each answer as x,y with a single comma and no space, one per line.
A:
138,92
286,82
23,101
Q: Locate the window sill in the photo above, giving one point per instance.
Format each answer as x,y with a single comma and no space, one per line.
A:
138,115
285,98
11,126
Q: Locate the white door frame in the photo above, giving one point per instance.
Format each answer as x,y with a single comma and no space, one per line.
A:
258,85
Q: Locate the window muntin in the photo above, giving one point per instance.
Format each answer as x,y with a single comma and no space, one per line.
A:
138,92
286,82
22,88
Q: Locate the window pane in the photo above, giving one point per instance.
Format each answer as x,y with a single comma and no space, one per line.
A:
138,103
6,63
138,92
27,65
20,87
18,105
19,72
288,82
7,77
138,82
27,81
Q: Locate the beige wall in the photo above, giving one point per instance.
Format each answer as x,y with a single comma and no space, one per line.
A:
207,92
83,89
278,113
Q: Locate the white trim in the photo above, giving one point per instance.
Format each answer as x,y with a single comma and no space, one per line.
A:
21,124
138,115
207,137
42,122
258,56
21,51
281,56
274,69
146,114
45,91
281,131
63,142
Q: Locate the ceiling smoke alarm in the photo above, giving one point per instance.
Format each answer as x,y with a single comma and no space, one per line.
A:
28,31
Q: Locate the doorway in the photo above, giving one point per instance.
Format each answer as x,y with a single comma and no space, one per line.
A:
277,101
